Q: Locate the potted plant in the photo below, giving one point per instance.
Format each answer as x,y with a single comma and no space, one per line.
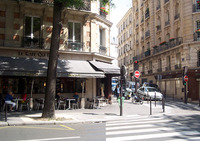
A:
197,31
198,2
162,43
171,39
104,10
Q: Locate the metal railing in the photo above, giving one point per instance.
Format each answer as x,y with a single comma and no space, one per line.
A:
177,66
74,46
159,70
158,27
166,1
157,49
196,36
102,50
167,23
147,33
168,68
176,16
196,8
87,4
29,42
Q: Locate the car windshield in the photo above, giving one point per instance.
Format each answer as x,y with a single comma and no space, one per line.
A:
152,89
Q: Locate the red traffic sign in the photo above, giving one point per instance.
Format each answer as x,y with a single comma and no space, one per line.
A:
137,74
186,78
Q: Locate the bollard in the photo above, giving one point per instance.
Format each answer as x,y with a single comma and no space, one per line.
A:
155,98
5,112
163,104
150,107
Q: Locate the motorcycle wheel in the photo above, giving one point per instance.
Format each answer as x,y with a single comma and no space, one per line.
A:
141,102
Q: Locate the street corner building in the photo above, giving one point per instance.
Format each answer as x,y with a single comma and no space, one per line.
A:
161,39
84,53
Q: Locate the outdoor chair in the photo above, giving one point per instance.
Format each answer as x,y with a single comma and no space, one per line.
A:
61,103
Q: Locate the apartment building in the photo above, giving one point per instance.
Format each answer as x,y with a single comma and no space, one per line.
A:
166,38
84,53
125,42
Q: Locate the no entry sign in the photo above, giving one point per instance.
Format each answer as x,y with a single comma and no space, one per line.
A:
137,74
186,78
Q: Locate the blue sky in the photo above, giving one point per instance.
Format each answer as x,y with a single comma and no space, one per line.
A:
121,7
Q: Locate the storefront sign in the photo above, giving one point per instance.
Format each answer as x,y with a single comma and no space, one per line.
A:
33,54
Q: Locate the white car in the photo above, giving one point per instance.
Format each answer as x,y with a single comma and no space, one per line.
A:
148,92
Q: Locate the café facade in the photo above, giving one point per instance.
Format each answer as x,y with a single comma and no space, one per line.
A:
84,50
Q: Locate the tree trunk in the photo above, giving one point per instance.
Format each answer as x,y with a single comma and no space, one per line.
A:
49,104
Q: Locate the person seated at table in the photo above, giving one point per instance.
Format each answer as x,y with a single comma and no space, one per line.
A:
24,98
76,97
9,100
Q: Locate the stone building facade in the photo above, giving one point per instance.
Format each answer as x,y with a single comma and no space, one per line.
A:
166,38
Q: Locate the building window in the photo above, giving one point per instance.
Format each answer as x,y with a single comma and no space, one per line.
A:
198,24
178,61
198,63
74,32
168,65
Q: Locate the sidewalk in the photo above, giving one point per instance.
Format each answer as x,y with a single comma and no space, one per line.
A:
106,113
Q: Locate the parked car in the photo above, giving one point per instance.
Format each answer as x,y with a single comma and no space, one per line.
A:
148,92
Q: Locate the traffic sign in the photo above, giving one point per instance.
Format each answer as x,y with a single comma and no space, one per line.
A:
186,78
137,74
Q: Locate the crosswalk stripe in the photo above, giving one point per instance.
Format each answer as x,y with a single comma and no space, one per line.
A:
135,119
140,126
157,129
139,122
150,136
193,138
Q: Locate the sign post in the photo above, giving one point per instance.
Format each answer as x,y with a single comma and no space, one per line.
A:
185,90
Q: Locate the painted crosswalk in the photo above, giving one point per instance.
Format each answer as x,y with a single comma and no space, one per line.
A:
149,128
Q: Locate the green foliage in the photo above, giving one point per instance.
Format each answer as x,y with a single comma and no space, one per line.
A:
69,3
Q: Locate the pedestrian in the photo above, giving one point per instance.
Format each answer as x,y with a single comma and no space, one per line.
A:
9,100
117,91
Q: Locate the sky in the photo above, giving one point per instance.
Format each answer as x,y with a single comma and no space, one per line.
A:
120,9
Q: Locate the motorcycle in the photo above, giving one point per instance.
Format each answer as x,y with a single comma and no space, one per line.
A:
128,93
137,99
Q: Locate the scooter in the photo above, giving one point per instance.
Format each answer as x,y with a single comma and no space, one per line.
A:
137,99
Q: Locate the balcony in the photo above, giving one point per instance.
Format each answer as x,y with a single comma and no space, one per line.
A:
177,16
150,71
86,7
158,27
146,15
142,20
74,46
166,1
167,23
103,14
198,64
102,50
159,70
196,36
142,38
196,8
168,68
147,53
29,42
158,7
147,34
177,66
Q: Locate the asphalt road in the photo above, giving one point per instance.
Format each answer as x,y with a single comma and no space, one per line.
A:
182,127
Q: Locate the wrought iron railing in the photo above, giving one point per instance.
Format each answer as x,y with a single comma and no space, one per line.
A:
157,49
29,42
166,1
158,27
147,33
150,71
74,46
168,68
167,23
196,8
177,66
196,36
158,7
102,50
86,6
159,70
176,16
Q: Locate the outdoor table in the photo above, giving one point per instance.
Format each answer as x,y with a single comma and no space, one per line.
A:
69,107
17,102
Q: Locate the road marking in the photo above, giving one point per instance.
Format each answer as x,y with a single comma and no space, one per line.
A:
151,136
39,127
66,127
3,127
158,129
49,139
